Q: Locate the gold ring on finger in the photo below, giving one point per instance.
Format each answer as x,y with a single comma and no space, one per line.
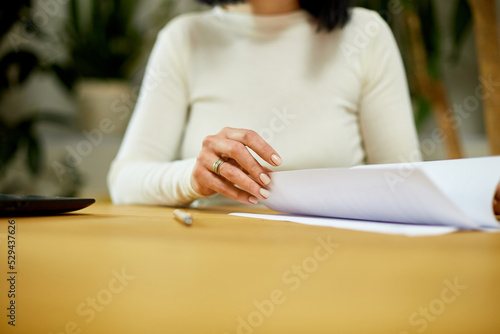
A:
216,166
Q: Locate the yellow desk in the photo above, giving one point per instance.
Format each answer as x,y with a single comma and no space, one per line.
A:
133,269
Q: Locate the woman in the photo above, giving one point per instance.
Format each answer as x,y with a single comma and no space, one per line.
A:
293,84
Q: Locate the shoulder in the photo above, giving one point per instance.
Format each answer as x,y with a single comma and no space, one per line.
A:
186,23
366,32
367,23
361,16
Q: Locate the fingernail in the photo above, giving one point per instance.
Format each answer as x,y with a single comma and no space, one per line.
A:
276,159
265,179
264,192
253,200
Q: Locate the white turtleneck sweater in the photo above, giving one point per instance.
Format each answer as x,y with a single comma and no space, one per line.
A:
334,99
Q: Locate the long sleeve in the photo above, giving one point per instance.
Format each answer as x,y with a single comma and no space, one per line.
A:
145,170
315,106
386,120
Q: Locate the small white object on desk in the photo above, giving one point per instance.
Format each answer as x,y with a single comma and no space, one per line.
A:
183,217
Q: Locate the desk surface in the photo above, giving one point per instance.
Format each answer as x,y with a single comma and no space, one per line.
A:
133,269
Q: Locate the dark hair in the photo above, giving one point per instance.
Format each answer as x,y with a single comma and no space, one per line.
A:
330,14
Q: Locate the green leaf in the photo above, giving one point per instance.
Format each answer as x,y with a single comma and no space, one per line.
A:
461,25
9,140
74,18
103,41
34,154
67,75
431,35
10,12
422,112
27,137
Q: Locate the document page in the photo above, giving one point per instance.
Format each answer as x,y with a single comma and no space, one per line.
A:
453,193
409,230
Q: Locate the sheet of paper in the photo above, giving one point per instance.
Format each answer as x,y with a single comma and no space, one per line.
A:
470,184
359,225
455,193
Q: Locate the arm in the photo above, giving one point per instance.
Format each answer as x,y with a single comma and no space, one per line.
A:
386,118
144,170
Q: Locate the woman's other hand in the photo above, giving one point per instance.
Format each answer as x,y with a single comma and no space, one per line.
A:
240,177
496,201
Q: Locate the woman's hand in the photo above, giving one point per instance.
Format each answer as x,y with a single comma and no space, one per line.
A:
240,177
496,201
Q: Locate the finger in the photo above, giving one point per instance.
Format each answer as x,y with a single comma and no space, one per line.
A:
239,152
268,171
242,180
198,180
227,189
234,163
234,175
256,143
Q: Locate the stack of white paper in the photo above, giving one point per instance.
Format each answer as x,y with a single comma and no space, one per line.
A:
441,195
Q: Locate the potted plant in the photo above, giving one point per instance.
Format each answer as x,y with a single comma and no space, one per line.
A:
21,153
103,44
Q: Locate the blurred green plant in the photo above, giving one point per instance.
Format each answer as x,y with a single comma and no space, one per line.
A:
16,67
394,12
101,39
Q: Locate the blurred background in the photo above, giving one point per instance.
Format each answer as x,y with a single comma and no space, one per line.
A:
70,73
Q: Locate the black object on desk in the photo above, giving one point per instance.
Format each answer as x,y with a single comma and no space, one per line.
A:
29,205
